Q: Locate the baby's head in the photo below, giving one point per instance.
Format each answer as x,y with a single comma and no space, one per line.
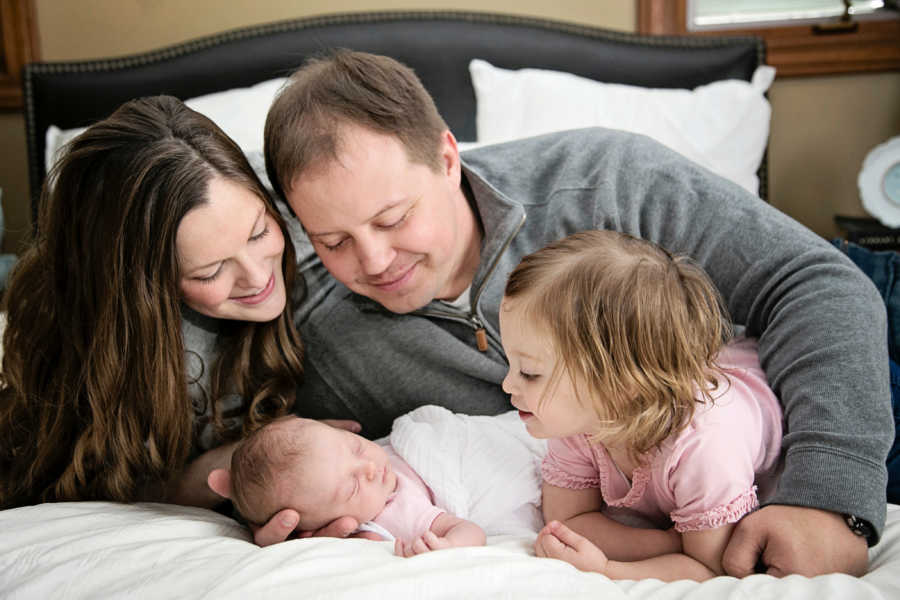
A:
610,335
320,471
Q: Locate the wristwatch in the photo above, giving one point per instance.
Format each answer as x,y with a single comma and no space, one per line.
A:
859,526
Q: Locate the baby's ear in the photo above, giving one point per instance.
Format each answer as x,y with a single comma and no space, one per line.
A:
219,481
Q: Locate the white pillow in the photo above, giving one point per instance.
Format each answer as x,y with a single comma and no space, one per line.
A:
463,146
723,126
240,112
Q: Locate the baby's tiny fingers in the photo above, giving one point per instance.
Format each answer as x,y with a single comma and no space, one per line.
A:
419,546
431,540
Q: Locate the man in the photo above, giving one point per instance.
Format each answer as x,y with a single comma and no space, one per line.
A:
421,243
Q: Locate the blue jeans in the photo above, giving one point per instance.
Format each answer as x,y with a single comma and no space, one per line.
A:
893,459
883,268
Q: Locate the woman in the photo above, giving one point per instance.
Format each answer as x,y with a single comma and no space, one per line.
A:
152,213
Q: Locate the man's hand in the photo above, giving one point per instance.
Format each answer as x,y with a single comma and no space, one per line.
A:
283,524
795,540
556,540
278,529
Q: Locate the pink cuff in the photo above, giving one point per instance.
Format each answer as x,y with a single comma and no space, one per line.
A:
560,478
720,515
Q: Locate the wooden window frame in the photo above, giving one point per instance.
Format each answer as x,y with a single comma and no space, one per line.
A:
796,50
18,37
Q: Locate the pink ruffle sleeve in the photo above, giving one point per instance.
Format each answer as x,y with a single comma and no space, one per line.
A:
569,463
711,475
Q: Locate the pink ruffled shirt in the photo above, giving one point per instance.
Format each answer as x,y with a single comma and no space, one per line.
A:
410,510
703,477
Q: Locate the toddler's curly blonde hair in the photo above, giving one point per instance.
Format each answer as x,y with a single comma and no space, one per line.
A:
636,328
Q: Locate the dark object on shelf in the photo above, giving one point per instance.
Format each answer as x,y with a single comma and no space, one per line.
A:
869,233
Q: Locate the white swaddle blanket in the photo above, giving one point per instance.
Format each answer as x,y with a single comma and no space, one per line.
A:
484,469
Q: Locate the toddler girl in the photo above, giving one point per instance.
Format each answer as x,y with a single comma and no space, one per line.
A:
325,473
618,352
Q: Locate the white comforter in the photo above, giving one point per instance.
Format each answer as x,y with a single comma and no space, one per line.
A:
106,550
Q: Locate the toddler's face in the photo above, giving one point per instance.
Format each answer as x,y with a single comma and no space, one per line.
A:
547,402
344,474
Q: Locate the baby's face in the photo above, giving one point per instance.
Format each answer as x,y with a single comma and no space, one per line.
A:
343,475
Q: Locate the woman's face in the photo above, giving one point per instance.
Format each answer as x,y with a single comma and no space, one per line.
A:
229,256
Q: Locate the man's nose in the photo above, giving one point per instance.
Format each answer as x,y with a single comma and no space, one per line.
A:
374,254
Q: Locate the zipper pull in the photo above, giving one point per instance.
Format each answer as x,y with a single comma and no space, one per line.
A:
481,339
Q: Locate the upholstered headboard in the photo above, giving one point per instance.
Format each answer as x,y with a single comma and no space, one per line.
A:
437,45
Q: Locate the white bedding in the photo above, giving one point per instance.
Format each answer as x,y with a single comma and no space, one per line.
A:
107,550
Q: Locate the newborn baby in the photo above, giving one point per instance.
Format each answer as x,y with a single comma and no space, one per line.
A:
325,473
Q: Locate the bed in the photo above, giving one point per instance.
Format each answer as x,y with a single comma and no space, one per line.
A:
704,97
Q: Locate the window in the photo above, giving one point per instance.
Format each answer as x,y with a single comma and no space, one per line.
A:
816,38
18,45
722,14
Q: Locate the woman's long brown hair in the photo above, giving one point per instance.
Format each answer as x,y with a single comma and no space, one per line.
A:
93,393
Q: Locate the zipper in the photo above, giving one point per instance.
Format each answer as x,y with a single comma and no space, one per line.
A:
481,340
481,337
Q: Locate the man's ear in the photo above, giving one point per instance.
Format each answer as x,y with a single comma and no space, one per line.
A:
219,481
450,156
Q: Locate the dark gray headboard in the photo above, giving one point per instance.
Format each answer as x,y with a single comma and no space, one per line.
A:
437,45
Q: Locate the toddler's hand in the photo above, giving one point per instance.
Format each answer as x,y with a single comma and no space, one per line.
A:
427,542
556,540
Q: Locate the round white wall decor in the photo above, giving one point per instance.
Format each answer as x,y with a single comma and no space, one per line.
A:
879,182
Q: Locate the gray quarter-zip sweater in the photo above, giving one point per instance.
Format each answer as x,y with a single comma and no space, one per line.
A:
820,322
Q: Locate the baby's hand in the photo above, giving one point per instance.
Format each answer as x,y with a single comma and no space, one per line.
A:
427,542
556,540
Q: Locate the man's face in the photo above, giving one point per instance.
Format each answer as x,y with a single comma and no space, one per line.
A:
389,229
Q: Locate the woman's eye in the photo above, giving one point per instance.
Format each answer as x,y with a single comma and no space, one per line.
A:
528,376
211,278
261,234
